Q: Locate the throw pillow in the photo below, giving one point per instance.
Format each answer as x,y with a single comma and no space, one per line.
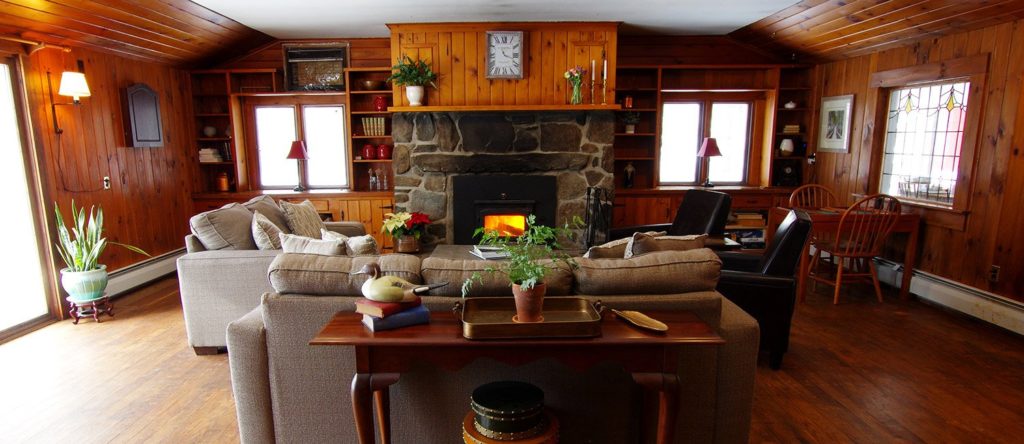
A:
642,243
266,234
303,219
292,243
266,205
615,249
226,228
356,245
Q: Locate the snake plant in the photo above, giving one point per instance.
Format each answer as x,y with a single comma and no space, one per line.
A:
81,246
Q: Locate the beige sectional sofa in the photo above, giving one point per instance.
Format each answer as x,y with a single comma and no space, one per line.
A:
219,286
290,392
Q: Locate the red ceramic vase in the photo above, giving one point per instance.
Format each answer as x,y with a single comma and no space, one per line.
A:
380,103
369,151
383,151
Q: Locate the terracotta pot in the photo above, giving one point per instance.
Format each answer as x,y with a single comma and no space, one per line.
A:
529,303
407,243
369,151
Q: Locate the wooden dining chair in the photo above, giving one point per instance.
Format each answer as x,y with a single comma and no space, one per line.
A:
812,197
863,229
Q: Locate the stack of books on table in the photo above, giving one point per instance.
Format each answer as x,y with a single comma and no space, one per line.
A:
488,252
380,316
210,155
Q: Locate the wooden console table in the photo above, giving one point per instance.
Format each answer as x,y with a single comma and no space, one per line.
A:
381,357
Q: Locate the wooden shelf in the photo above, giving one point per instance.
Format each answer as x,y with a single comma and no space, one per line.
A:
228,162
639,110
213,139
386,91
213,115
636,90
794,109
371,161
479,108
288,93
370,137
649,158
791,134
636,134
379,113
795,88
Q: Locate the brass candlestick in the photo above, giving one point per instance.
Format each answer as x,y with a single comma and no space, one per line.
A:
592,93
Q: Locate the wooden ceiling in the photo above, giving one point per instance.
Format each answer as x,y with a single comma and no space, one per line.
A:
838,29
174,32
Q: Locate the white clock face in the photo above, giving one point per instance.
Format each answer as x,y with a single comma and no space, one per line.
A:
505,54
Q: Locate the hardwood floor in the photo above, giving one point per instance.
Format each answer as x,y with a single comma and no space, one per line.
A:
857,372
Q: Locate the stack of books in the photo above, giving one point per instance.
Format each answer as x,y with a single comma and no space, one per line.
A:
380,316
488,252
209,155
791,129
373,126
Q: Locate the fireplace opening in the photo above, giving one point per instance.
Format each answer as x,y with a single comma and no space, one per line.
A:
501,203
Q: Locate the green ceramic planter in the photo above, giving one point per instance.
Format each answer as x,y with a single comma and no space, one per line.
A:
84,285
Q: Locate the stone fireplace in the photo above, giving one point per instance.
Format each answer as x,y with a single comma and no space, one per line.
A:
573,150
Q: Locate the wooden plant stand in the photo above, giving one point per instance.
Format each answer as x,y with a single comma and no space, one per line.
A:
93,308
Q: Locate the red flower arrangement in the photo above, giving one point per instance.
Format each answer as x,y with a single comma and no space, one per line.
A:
405,223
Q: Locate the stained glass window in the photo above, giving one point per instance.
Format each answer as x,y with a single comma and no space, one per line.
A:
923,141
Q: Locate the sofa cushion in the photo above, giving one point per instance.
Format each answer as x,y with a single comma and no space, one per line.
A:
642,243
303,219
660,272
456,271
269,208
292,243
354,245
265,233
615,249
226,228
310,274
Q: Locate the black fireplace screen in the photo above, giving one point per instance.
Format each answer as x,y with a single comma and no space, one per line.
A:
481,199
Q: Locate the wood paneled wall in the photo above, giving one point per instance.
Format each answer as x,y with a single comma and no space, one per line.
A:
457,53
992,231
149,202
689,50
363,53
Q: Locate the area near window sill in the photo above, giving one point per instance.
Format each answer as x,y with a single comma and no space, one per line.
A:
933,214
683,188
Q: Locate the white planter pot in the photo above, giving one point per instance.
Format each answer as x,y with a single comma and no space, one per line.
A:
84,285
415,95
630,128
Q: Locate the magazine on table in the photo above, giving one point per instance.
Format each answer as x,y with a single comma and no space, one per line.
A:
488,252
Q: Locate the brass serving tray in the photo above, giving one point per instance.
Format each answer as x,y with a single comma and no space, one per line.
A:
564,317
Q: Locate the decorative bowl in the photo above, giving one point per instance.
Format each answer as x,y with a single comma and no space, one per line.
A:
372,85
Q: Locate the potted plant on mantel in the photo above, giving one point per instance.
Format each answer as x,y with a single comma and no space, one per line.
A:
414,75
528,258
80,247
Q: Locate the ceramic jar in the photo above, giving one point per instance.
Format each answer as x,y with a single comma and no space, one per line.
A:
369,151
383,151
380,103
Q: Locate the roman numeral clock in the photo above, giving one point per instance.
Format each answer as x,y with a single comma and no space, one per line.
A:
505,58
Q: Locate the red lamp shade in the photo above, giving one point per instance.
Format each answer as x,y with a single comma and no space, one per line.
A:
709,148
298,150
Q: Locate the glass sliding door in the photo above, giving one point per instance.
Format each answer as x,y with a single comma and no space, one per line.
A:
22,273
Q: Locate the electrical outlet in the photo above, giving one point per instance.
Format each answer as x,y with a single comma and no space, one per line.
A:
106,182
993,274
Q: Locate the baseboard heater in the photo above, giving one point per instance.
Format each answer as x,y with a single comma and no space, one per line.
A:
989,307
136,275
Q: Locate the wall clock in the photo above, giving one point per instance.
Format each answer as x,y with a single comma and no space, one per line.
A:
505,54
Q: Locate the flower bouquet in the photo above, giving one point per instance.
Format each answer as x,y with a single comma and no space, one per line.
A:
406,228
575,77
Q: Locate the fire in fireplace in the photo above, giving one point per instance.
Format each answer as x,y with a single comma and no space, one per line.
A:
511,225
501,202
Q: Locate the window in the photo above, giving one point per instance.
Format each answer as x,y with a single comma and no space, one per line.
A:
685,123
276,122
923,141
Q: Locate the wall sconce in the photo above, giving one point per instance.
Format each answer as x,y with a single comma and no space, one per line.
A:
72,84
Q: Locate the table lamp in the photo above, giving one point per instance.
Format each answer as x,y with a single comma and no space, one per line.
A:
298,152
709,148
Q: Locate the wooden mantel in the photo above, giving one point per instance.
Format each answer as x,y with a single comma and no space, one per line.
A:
456,51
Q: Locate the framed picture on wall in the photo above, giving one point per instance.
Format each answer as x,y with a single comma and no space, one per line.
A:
834,126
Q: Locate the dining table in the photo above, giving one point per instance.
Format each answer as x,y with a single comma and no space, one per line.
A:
827,220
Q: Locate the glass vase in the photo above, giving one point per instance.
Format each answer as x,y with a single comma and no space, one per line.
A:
577,93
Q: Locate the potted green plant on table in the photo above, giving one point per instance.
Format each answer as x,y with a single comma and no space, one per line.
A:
406,229
80,247
630,119
528,259
414,75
